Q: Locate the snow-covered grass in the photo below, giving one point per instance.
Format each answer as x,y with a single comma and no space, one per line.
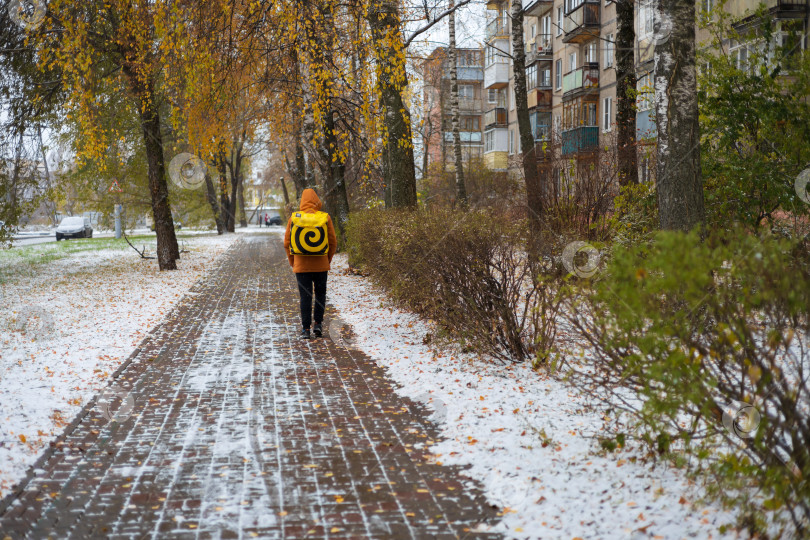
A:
27,259
70,314
529,439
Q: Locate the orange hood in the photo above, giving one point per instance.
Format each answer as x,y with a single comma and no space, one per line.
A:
310,201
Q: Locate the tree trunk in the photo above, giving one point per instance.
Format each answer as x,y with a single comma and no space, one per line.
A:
242,209
427,135
625,92
335,181
211,195
534,189
678,180
167,250
284,191
461,189
234,165
400,171
225,202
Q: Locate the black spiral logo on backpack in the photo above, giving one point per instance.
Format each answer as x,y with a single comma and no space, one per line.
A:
311,240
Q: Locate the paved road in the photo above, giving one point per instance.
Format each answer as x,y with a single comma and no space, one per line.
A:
228,426
31,240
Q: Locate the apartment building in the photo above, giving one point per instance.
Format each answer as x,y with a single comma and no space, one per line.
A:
437,129
570,72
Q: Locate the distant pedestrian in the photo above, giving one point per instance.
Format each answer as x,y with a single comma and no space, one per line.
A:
310,243
266,220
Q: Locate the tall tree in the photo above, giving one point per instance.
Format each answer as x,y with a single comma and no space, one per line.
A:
678,179
389,49
461,190
322,86
625,47
534,188
103,48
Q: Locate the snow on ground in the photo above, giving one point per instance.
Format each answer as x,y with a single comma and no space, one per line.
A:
67,325
527,438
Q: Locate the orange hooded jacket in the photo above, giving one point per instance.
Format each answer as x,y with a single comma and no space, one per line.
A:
310,203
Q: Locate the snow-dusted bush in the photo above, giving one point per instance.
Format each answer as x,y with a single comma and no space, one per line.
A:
705,345
467,271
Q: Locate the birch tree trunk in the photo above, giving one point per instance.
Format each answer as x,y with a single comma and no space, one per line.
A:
461,189
534,189
678,180
625,92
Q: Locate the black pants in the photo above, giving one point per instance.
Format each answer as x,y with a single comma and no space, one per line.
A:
306,280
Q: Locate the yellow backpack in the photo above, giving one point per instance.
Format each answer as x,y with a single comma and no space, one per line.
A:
308,234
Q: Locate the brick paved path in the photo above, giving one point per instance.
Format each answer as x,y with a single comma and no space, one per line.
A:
238,429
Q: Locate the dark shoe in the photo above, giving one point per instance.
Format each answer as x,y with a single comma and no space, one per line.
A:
305,333
317,330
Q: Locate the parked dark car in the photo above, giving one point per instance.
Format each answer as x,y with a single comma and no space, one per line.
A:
74,227
275,220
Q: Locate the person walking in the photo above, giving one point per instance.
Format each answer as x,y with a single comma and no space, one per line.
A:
310,243
266,220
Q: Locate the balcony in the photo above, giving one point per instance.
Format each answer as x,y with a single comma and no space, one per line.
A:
538,8
469,105
497,29
496,75
496,117
466,73
778,9
539,97
541,126
581,139
582,23
581,79
467,137
541,49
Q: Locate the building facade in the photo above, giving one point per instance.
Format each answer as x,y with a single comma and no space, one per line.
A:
570,71
437,129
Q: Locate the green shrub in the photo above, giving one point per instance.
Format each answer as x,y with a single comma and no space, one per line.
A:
703,334
468,271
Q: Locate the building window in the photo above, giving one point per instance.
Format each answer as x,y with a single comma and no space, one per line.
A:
644,92
572,61
571,5
492,95
558,74
609,47
470,123
534,30
646,19
707,5
591,117
607,111
511,142
740,56
489,141
466,91
490,55
531,77
644,170
544,80
559,20
590,53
